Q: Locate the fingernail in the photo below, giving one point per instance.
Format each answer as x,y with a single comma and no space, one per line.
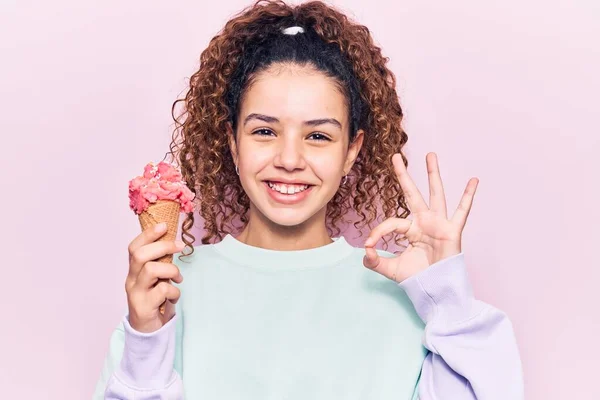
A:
369,242
160,227
179,244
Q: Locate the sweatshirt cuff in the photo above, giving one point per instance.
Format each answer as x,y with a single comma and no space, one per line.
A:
442,291
148,358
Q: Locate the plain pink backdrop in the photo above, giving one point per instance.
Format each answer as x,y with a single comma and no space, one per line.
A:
506,91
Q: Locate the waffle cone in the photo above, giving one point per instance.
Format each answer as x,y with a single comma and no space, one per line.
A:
162,211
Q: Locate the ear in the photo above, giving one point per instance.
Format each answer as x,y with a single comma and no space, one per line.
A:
353,150
231,141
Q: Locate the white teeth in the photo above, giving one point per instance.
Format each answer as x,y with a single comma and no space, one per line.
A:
288,189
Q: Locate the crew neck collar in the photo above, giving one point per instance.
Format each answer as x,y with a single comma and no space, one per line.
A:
283,260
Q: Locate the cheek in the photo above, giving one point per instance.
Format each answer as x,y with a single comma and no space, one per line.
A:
256,161
253,157
327,165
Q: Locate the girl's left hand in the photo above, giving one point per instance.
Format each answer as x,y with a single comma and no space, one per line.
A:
431,236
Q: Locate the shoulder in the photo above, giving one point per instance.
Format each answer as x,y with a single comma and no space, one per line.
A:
382,296
201,253
197,267
373,281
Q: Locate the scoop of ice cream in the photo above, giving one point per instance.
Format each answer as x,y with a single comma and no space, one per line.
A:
160,181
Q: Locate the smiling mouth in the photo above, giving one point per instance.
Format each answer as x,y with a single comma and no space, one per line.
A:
288,189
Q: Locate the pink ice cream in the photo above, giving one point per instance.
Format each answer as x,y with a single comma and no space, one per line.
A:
159,182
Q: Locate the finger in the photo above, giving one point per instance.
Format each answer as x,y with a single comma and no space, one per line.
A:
464,207
371,258
153,271
397,225
437,197
148,235
383,265
150,252
415,201
162,291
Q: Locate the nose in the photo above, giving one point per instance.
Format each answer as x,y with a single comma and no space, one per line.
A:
290,154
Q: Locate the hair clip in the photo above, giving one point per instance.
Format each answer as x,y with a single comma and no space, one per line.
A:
292,30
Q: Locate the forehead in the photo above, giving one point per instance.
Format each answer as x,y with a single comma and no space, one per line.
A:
295,93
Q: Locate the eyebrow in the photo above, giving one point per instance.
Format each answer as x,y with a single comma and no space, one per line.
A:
312,122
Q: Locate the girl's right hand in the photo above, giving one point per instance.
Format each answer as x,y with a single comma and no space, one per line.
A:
147,284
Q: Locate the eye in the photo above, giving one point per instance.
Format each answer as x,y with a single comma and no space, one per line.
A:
268,132
319,137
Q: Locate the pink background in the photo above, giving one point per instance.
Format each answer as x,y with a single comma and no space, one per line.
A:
506,91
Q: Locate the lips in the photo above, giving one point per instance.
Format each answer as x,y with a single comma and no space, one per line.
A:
286,188
287,199
287,182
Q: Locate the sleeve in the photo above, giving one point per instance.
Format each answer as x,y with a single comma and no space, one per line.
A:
473,353
142,365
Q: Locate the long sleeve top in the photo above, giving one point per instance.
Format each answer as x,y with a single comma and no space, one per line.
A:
261,324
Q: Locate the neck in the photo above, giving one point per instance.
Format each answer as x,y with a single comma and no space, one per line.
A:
261,232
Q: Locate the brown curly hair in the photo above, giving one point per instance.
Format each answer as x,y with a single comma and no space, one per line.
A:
200,142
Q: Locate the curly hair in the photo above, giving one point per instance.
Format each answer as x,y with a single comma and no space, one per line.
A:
227,65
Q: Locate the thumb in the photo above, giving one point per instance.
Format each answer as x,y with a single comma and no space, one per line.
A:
371,258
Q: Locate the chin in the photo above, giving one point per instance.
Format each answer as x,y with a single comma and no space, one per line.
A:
287,217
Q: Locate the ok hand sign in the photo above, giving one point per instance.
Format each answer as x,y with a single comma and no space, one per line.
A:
431,235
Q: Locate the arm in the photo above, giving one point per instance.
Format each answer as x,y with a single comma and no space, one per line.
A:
473,350
140,366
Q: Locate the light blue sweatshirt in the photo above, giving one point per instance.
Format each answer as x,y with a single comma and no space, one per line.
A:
316,324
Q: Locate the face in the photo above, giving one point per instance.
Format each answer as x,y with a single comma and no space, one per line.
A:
292,145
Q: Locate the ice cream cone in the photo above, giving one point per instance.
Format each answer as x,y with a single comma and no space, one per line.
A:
162,211
159,195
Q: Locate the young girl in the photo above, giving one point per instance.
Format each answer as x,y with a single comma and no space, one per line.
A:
292,121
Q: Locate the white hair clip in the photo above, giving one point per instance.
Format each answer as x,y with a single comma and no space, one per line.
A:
292,30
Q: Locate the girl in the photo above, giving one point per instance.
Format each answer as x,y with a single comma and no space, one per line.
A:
291,122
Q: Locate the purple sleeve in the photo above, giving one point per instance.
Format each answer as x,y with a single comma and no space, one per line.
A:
146,368
473,350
